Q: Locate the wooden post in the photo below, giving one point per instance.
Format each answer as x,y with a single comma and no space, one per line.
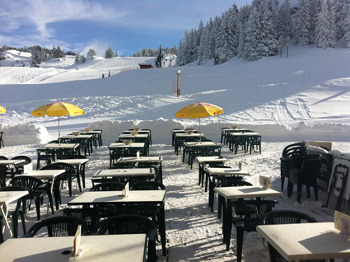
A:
178,82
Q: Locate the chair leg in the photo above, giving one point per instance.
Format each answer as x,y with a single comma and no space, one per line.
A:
23,222
37,206
240,233
14,221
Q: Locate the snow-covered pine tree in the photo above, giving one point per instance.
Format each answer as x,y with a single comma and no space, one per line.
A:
233,29
269,33
35,51
273,7
347,29
82,59
340,10
285,21
315,8
193,45
109,53
214,37
223,50
302,28
244,13
180,59
91,53
76,59
202,59
325,26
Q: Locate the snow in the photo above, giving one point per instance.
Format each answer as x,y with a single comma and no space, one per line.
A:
302,97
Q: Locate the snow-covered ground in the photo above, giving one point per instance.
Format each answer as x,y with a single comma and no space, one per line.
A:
302,97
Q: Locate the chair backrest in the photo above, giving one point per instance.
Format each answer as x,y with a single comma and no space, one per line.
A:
25,158
311,165
276,217
108,186
131,224
68,167
3,158
89,215
58,226
29,182
295,149
147,185
252,211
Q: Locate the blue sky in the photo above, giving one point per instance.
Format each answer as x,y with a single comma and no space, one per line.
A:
124,25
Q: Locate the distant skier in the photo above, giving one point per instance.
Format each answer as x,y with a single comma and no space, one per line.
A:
103,75
109,74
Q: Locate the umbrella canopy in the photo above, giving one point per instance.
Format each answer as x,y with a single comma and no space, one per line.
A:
2,110
58,109
199,110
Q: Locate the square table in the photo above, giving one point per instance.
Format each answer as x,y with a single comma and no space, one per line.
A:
204,160
87,140
234,193
7,197
124,173
107,248
225,132
96,133
181,138
68,146
144,159
200,146
216,173
138,197
120,149
304,241
12,164
233,138
49,175
78,163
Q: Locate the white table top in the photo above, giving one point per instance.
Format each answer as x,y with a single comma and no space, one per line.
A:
307,240
142,131
140,159
90,132
214,171
245,134
79,136
246,192
62,145
124,172
106,248
121,144
133,136
206,143
188,135
11,162
103,197
204,159
78,161
7,197
41,174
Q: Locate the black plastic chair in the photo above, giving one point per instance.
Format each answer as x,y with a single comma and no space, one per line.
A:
45,154
27,160
131,224
81,169
252,211
89,215
292,156
254,142
307,175
37,190
3,158
4,172
276,217
69,175
147,185
58,226
13,215
108,186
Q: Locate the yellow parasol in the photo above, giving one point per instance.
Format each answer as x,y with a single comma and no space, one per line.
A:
199,110
58,109
2,110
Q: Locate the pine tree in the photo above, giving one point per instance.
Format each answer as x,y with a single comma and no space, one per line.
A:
302,29
109,53
82,59
91,53
76,60
233,29
180,57
269,35
347,29
35,51
223,49
315,8
202,58
285,21
325,26
340,9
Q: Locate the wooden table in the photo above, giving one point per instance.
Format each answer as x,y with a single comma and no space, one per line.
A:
78,163
139,197
106,248
305,241
7,197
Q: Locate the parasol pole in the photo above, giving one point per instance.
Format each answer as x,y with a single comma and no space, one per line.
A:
200,134
59,131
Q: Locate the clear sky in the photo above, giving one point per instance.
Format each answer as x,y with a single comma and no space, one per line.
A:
124,25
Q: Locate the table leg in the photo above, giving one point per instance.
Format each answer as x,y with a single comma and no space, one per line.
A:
162,229
3,209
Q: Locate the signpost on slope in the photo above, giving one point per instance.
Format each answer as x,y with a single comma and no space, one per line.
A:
284,42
